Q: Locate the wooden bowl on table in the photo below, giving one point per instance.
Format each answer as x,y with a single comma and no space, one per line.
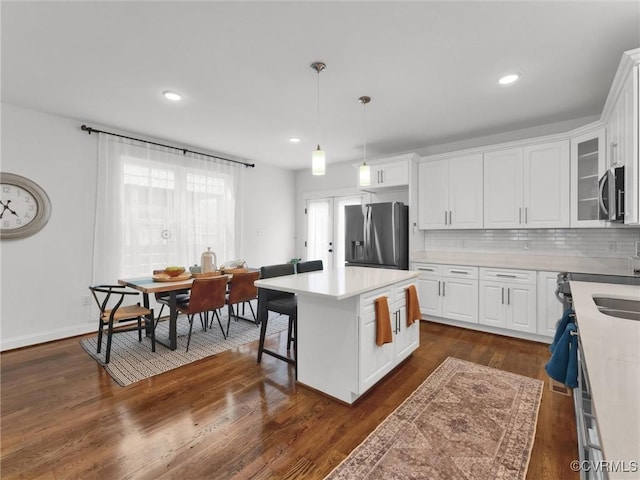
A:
174,271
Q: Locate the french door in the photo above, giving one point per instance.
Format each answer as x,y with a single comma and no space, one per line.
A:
325,229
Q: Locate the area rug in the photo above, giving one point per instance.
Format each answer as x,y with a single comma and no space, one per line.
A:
132,361
466,421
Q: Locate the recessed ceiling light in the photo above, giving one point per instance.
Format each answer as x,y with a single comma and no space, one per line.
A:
509,79
173,96
294,140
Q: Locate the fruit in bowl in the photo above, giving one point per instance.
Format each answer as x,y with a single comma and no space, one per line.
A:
174,271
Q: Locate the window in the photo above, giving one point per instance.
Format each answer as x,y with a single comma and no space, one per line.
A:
157,207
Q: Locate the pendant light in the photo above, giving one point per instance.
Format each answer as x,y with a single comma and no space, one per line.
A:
364,170
317,157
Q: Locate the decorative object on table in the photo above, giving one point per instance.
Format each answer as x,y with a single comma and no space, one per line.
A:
465,421
234,266
163,277
208,261
132,361
174,271
26,207
195,269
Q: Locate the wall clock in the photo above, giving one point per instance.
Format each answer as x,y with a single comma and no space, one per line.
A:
24,206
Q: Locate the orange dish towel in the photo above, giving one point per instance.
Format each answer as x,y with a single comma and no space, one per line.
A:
383,322
413,307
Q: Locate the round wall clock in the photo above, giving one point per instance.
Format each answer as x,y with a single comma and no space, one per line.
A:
24,206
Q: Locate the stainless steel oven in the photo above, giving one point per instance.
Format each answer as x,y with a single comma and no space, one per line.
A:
611,195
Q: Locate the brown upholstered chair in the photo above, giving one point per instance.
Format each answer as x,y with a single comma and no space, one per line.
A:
207,295
241,291
117,318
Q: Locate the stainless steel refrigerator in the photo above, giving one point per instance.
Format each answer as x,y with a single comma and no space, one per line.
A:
377,235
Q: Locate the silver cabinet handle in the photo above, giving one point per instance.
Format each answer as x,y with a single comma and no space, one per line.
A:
443,288
460,271
445,217
505,275
438,287
520,215
502,295
449,217
526,216
508,296
425,269
620,205
603,207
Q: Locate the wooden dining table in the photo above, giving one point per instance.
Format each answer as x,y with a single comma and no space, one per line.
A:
148,285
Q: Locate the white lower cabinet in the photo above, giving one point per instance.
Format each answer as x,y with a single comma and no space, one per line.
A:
376,361
508,299
549,309
449,291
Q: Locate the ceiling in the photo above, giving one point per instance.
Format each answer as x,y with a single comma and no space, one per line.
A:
243,69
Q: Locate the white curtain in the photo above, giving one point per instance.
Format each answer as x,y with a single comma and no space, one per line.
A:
157,207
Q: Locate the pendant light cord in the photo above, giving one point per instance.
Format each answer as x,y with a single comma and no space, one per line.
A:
364,129
318,98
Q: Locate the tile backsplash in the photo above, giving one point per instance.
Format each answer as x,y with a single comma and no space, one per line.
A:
592,242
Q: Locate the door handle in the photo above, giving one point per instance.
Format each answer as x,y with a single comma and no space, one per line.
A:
449,217
526,216
330,250
443,288
603,207
520,215
459,271
506,275
445,217
502,295
381,176
438,287
508,296
620,203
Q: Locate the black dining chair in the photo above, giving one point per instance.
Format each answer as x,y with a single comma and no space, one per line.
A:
117,318
309,266
279,302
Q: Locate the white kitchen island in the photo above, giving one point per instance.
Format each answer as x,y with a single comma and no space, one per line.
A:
336,339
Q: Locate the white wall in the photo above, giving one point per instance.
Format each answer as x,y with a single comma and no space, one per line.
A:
44,277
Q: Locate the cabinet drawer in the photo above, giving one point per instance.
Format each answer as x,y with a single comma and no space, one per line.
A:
399,291
507,275
428,269
458,271
367,300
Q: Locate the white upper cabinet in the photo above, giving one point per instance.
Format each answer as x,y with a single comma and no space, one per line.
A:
587,166
503,187
527,187
621,114
390,174
450,193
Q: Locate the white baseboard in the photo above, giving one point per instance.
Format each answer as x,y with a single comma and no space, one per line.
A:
48,336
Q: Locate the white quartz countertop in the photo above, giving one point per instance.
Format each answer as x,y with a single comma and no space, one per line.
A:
601,265
338,283
611,351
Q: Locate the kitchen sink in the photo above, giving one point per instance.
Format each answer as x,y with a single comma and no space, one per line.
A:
618,307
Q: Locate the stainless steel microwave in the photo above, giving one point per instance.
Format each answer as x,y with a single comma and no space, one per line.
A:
611,195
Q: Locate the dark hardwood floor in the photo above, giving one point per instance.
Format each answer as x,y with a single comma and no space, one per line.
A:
226,417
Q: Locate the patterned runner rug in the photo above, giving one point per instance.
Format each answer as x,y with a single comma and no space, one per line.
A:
132,361
466,421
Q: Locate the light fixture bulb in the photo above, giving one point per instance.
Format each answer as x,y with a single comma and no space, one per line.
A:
317,162
173,96
509,79
294,140
364,175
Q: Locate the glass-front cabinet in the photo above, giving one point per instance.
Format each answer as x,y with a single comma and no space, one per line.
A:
587,166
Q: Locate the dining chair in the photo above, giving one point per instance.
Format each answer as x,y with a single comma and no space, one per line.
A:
242,291
309,266
280,302
207,295
163,298
117,318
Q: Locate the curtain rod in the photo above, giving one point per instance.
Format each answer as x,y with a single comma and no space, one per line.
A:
90,130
